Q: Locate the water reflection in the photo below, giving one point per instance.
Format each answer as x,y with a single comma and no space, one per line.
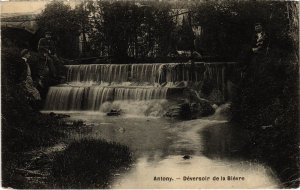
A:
143,173
159,145
144,136
224,141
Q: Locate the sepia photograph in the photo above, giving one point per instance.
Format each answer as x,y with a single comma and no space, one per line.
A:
150,94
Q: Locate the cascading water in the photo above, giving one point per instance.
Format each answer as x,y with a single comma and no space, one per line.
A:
97,73
96,95
135,73
64,98
145,73
216,74
89,87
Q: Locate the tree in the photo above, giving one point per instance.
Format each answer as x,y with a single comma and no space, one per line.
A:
82,16
123,29
62,21
119,25
185,41
163,28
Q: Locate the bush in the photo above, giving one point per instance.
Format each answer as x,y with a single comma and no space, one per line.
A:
23,128
89,164
267,96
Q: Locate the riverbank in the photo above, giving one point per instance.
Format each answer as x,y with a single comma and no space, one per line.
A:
278,148
45,157
34,144
274,147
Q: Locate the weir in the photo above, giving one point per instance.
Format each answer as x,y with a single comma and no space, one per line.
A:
89,86
150,73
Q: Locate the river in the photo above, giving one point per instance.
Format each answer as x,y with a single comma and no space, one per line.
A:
144,93
159,145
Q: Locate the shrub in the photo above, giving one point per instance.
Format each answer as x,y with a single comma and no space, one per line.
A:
89,164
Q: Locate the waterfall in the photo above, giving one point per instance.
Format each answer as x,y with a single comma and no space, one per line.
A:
150,74
88,87
91,98
97,73
96,96
64,98
216,74
145,72
140,93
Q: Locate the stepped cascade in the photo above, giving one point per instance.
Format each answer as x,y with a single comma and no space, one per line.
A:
89,86
147,73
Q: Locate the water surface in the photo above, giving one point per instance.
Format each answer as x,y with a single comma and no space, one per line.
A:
158,146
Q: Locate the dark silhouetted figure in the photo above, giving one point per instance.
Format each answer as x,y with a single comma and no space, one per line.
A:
47,50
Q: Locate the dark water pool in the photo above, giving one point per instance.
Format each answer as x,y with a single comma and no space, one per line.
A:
158,146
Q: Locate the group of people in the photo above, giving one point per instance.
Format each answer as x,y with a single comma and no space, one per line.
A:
48,64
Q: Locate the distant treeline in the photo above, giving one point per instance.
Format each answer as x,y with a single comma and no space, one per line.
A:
159,29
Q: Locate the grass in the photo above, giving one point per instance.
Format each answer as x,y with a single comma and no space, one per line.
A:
24,135
85,163
89,163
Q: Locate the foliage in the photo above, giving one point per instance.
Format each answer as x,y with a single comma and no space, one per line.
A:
162,28
185,35
18,115
120,21
228,25
124,29
89,163
64,23
81,16
267,94
23,128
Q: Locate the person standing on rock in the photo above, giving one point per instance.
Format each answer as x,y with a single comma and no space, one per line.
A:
260,47
260,40
253,56
46,49
26,82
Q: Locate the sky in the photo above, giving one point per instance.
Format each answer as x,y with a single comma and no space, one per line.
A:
33,6
19,7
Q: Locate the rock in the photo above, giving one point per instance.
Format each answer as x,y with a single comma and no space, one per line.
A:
64,115
182,84
190,110
121,130
216,96
90,124
185,111
58,116
180,111
266,126
223,111
202,108
173,111
69,123
114,112
186,157
52,114
215,106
